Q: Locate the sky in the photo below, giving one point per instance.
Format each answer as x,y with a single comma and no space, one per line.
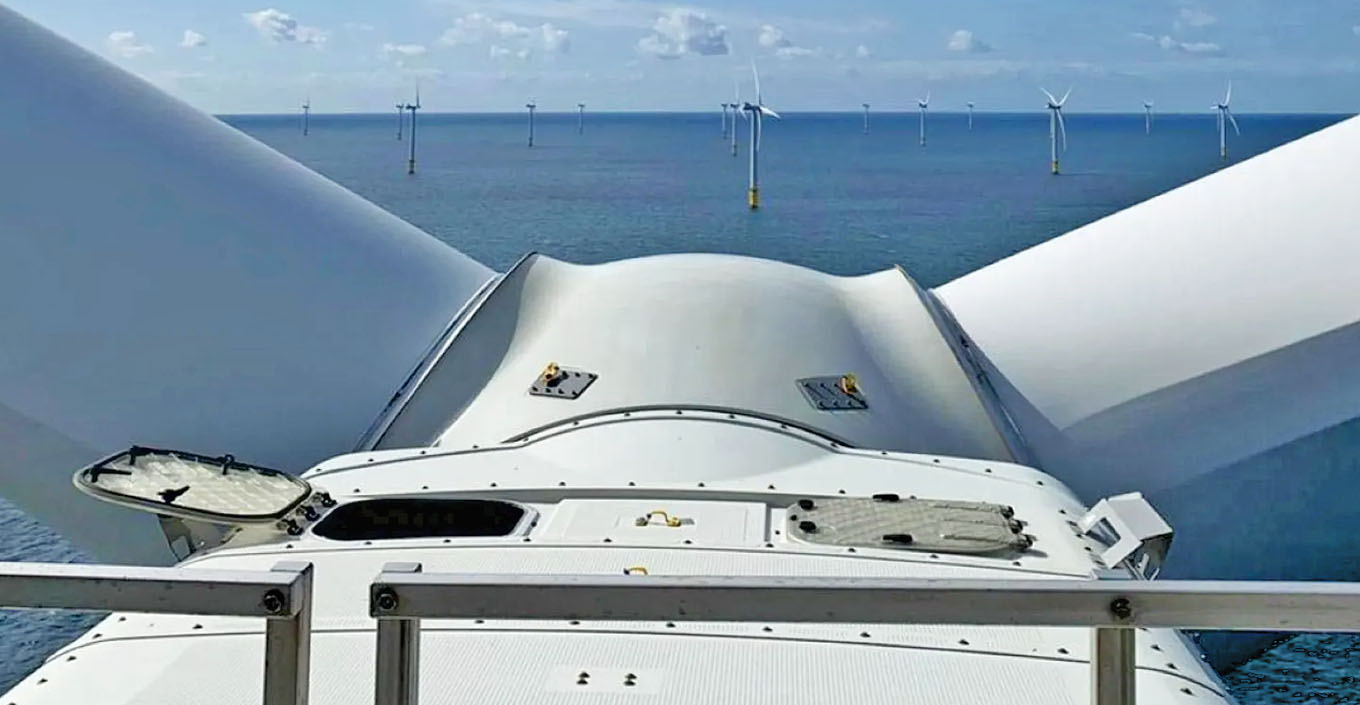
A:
267,56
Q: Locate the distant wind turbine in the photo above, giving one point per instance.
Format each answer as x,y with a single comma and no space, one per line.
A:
736,107
923,104
580,118
1225,116
756,113
401,118
531,105
970,116
413,107
725,106
866,117
1147,117
306,114
1055,125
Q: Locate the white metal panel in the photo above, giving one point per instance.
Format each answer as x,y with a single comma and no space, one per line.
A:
166,280
490,666
1206,325
657,522
702,330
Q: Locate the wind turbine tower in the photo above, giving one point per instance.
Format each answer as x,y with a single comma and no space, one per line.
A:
970,116
866,117
755,113
923,104
580,118
306,115
1056,126
401,118
1147,117
531,105
736,106
413,107
725,106
1225,117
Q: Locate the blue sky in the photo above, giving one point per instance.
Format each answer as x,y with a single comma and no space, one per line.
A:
471,55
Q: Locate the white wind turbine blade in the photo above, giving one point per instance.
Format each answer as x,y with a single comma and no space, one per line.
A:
1228,114
1062,129
1147,349
1051,99
766,111
1066,95
756,75
1227,99
167,280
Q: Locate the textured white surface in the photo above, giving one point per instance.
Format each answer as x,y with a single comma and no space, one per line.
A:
1206,325
733,478
206,487
702,330
168,281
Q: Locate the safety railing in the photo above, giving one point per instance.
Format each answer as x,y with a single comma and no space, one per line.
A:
402,595
282,595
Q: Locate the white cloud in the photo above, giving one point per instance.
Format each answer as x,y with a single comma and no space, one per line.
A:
403,49
280,27
772,37
193,39
503,53
1169,43
681,31
124,44
1356,30
476,27
862,52
1196,18
555,41
359,26
963,40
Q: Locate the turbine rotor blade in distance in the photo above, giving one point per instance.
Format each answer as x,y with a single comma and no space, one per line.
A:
769,112
1051,99
1062,129
1065,97
1232,120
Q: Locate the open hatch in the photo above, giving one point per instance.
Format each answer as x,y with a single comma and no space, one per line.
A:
189,486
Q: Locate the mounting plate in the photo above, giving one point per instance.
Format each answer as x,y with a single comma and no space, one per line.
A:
828,394
567,384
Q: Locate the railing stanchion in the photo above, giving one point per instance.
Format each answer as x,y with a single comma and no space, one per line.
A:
288,639
397,680
1112,666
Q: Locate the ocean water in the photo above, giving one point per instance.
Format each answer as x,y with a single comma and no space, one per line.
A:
833,198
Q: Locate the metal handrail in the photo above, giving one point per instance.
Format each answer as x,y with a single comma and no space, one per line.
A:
402,595
282,595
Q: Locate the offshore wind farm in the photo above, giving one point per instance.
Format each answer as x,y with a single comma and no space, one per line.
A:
831,196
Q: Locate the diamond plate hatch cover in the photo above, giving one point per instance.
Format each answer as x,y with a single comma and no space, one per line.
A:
561,382
833,393
887,521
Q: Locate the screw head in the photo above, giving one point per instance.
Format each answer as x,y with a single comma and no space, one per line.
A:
1121,608
274,602
385,600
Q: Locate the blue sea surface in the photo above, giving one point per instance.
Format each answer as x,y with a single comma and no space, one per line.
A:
833,199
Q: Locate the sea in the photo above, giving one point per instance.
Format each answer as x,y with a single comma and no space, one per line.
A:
834,197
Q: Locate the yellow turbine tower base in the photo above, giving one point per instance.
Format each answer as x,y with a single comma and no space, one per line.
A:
753,198
410,166
1055,167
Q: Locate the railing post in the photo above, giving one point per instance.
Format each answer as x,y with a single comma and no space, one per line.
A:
288,638
1112,666
397,680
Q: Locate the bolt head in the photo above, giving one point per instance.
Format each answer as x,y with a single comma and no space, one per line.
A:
1121,608
385,600
274,602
